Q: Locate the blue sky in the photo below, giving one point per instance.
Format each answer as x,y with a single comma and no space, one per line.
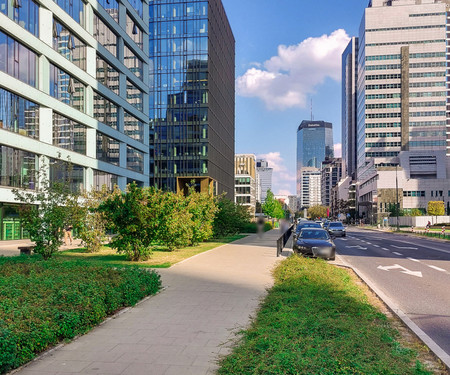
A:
275,84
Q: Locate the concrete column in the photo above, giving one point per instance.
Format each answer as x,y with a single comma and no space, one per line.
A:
44,74
45,26
46,125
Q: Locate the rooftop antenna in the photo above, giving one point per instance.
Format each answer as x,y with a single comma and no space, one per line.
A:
312,117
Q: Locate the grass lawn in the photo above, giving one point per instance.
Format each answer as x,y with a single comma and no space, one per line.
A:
161,258
316,320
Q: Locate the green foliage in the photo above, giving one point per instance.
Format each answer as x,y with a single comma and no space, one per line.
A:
436,208
43,303
46,211
315,320
253,227
395,211
317,211
230,218
272,207
130,217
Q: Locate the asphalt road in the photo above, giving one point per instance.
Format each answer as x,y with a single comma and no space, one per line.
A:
413,272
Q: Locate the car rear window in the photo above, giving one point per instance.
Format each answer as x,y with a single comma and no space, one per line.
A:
337,225
314,234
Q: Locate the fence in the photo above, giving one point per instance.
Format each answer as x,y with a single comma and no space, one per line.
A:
281,242
435,234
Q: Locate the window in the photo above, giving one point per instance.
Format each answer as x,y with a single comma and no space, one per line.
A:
135,96
68,45
105,111
134,32
19,115
414,193
69,134
72,174
27,15
135,160
133,127
104,179
17,168
104,35
138,7
66,88
112,7
107,75
107,149
132,62
75,8
18,60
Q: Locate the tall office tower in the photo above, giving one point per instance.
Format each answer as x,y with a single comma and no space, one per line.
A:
402,95
263,179
349,113
192,52
73,82
331,174
314,144
245,181
310,180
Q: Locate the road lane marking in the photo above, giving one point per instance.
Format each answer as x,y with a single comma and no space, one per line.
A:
414,260
383,248
376,246
368,243
437,268
394,252
357,246
404,247
404,270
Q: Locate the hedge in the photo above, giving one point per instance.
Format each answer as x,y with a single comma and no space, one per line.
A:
45,302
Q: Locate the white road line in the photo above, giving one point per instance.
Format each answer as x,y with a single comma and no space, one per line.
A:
414,260
368,243
394,252
404,247
383,248
376,246
436,268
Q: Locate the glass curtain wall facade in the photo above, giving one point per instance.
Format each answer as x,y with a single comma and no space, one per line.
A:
191,105
81,99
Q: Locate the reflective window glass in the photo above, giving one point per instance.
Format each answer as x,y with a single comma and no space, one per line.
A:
135,160
107,75
133,127
138,7
132,62
104,35
69,134
64,172
105,111
75,8
107,149
17,168
68,45
135,96
66,88
135,32
104,179
26,15
112,7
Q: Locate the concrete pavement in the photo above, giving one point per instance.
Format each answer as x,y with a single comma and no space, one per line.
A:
11,248
184,329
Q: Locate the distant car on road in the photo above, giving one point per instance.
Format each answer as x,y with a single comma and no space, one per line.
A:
336,229
315,242
305,224
320,223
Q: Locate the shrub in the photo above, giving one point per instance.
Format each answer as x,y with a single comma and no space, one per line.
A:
231,218
43,303
436,208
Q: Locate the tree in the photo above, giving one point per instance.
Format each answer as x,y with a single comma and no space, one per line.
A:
317,211
436,208
230,218
45,212
129,218
272,207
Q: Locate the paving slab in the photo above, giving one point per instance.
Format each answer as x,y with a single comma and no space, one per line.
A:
185,329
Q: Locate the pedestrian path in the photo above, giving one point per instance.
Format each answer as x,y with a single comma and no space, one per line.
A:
183,330
11,247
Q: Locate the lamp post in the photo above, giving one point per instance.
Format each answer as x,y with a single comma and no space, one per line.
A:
396,191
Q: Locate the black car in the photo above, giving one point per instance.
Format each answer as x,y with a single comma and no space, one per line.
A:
305,224
336,229
315,242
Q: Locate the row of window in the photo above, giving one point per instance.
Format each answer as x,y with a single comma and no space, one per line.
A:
383,144
405,43
23,12
181,28
427,143
398,85
428,14
181,150
411,124
411,95
427,133
384,125
420,193
187,9
407,28
411,56
186,167
433,64
411,75
242,181
243,190
398,105
178,132
179,46
382,154
383,135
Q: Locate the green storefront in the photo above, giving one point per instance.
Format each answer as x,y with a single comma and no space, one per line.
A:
10,223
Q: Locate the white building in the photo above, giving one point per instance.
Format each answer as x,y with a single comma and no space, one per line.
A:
263,179
73,86
310,181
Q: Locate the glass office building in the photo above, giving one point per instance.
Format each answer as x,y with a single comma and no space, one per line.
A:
191,104
72,86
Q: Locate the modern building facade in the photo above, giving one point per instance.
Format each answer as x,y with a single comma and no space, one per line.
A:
263,179
191,106
349,107
73,83
245,181
311,193
331,174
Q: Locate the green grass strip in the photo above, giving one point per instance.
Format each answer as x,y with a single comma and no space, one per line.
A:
316,320
45,302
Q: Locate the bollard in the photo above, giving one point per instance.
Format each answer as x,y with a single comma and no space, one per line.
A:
443,229
412,228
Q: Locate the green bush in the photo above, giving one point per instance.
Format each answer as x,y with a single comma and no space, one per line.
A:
42,303
231,218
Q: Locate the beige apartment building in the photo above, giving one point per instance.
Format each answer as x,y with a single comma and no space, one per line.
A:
245,181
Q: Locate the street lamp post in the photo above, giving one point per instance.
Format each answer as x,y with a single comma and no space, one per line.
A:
396,191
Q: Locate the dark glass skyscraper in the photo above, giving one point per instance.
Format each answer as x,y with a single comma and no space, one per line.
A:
192,51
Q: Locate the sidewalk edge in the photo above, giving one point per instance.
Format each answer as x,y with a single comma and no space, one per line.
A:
427,340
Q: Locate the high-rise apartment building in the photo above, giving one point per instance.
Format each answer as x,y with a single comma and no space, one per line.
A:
192,52
331,174
402,116
349,101
314,145
245,181
73,83
263,179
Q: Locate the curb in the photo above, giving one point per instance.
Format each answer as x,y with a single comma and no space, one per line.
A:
421,335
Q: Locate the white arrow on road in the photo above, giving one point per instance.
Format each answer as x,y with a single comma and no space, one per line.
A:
358,247
405,270
405,247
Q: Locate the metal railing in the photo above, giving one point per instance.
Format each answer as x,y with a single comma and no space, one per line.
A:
281,242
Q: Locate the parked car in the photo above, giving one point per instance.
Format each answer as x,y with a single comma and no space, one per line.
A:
315,242
305,224
320,223
336,229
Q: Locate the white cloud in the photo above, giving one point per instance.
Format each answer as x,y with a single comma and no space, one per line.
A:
338,150
284,81
282,178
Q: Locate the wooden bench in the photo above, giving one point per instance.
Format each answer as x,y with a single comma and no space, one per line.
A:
26,250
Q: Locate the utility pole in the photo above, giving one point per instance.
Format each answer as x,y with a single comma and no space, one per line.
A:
396,190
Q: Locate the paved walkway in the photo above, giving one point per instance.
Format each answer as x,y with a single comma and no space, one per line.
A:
11,248
184,329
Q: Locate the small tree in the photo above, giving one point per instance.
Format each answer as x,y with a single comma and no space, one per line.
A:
45,212
436,208
317,211
230,218
272,207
